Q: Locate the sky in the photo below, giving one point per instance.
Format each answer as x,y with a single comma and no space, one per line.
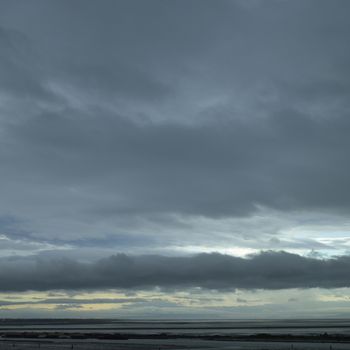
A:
174,158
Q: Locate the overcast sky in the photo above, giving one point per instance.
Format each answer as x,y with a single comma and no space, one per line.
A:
183,156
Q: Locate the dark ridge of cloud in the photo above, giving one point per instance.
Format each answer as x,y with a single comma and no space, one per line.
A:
73,301
267,270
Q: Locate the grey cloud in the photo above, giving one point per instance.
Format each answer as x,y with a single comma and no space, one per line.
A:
269,270
117,81
288,162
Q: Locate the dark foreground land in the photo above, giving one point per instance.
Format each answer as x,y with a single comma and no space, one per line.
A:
143,335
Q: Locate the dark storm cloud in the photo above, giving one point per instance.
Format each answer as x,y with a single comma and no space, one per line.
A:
135,109
270,270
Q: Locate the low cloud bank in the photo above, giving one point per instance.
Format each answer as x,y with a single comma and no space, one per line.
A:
267,270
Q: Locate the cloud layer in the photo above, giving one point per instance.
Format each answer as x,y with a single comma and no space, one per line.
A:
143,120
269,270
